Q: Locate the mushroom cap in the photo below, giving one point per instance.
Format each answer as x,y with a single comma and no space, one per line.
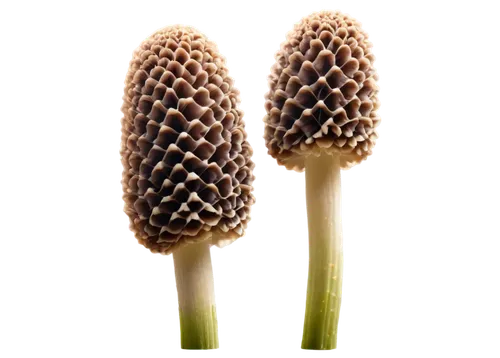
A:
187,168
323,93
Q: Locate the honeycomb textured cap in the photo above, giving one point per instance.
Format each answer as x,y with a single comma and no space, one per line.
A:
187,168
323,93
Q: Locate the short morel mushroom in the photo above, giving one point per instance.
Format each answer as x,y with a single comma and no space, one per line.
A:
187,168
321,117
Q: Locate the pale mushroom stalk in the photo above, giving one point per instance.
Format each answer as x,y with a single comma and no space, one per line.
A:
195,291
324,288
187,168
322,117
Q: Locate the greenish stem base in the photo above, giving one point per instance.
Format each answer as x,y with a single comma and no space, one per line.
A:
199,331
195,291
324,288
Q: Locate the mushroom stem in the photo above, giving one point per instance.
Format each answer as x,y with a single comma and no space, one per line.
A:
195,289
324,288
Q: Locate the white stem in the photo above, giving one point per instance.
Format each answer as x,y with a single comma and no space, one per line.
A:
325,252
195,287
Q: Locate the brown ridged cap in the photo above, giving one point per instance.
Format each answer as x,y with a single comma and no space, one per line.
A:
323,93
187,169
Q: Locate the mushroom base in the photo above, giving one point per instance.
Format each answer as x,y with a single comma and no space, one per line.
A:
199,328
195,287
324,284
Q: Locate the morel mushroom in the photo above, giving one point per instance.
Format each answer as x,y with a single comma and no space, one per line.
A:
187,168
321,117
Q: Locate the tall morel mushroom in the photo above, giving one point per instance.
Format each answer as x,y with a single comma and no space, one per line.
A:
321,117
187,169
